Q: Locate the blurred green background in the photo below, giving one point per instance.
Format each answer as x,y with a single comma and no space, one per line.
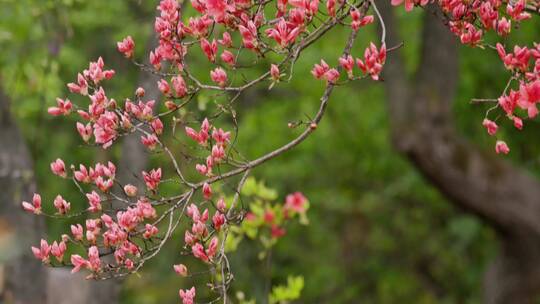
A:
378,233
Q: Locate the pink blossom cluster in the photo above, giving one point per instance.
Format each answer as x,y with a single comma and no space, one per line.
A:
470,21
202,246
216,145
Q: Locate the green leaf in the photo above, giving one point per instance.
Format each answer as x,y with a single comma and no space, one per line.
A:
285,294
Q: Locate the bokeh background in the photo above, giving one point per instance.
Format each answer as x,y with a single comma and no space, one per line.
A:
379,231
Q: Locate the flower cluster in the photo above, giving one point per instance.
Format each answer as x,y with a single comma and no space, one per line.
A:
470,21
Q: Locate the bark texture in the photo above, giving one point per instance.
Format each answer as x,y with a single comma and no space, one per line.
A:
23,276
503,195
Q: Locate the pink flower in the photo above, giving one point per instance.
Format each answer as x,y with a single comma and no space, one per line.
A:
347,63
85,131
181,269
139,92
221,205
81,87
107,220
198,252
155,60
94,201
216,8
319,70
202,136
501,147
179,86
490,126
93,225
199,229
150,141
517,10
509,102
219,76
192,133
283,34
471,35
145,208
226,41
202,169
249,35
358,22
35,206
212,248
58,250
218,153
518,123
207,191
82,175
157,126
332,76
189,238
274,72
187,296
504,26
105,129
129,264
218,220
331,7
150,231
42,253
227,57
78,263
59,168
130,190
63,107
209,49
77,231
128,219
529,96
163,86
277,231
374,60
310,6
152,179
193,212
296,202
409,4
61,204
126,46
94,263
96,73
221,137
104,184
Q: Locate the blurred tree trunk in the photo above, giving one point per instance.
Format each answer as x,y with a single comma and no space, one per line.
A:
479,182
23,277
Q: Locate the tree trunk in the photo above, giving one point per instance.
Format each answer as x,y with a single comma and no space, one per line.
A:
23,275
504,196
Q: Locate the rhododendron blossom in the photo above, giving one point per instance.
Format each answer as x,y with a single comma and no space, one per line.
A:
42,253
35,206
126,46
187,296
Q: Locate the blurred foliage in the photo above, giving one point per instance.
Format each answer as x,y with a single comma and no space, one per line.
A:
378,233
